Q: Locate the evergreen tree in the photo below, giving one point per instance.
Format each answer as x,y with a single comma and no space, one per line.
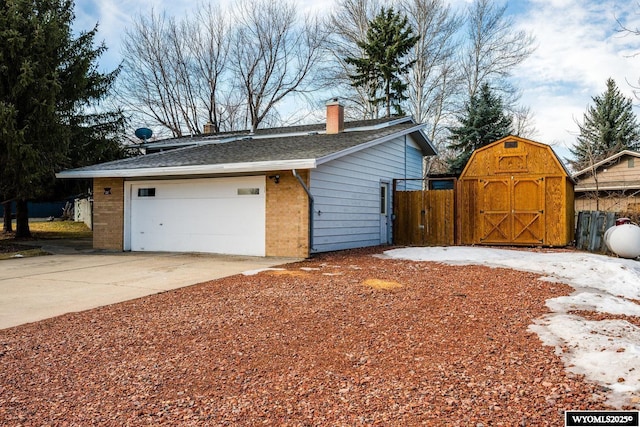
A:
484,121
48,82
388,41
609,126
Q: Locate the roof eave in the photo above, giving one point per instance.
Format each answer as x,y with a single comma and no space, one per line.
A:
225,168
421,139
579,189
428,149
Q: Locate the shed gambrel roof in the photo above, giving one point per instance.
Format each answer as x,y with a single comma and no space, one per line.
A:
552,154
262,151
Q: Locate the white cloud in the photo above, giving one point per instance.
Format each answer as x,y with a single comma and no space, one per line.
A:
578,48
319,7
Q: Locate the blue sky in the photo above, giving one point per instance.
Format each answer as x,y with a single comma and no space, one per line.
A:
578,48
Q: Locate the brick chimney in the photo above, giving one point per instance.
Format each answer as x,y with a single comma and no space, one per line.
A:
208,128
335,117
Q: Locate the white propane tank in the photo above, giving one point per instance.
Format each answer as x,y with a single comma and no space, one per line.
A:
623,240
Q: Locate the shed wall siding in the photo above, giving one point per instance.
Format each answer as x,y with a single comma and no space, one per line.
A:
515,196
346,194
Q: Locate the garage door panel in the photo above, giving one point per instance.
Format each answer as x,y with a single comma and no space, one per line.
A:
209,215
182,242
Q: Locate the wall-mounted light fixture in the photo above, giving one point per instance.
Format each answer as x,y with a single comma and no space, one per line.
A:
275,178
107,191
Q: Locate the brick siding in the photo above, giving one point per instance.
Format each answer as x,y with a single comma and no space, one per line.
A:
287,216
108,214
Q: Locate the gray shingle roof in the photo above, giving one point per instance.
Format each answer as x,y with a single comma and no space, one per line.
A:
260,148
319,127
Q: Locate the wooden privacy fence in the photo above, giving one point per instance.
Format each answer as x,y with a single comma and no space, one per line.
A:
424,217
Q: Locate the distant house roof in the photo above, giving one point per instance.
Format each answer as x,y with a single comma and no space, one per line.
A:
606,162
302,147
607,180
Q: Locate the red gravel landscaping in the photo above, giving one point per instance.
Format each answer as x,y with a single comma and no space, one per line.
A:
342,339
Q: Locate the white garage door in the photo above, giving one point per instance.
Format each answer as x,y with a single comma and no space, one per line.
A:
221,215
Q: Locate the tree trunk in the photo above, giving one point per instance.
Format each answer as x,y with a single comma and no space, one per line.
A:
22,219
8,225
388,97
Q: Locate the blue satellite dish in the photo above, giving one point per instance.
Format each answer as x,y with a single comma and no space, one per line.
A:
144,133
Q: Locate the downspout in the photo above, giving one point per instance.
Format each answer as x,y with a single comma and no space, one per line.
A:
306,190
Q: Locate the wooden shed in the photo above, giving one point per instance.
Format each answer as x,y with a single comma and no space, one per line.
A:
515,192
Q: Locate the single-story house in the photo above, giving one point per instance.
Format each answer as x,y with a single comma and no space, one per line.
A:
277,192
612,184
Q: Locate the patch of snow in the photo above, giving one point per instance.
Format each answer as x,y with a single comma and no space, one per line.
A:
260,270
606,352
594,301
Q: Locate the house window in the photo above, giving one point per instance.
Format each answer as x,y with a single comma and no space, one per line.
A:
383,199
442,184
248,191
146,192
630,162
511,144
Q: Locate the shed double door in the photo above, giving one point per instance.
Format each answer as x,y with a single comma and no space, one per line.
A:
512,210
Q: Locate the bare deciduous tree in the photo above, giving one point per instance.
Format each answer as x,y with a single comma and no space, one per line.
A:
434,81
523,123
591,158
182,68
627,29
273,54
150,86
348,25
209,46
176,74
231,68
433,77
204,69
494,48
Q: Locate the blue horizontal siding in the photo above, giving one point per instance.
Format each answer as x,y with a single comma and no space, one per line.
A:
345,241
346,193
414,166
339,231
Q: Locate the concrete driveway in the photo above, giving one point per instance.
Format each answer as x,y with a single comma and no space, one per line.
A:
76,278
